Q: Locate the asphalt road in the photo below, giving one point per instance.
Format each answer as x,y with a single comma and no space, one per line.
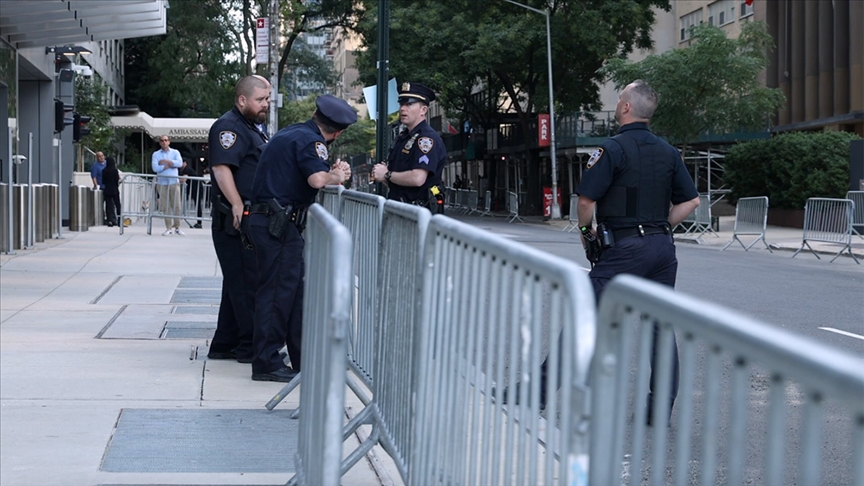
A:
800,295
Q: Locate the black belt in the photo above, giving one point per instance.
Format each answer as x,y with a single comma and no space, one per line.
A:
639,230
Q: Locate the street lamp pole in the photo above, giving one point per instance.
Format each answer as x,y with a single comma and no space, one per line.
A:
556,209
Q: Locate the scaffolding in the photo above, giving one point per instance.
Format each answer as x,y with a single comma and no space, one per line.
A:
707,169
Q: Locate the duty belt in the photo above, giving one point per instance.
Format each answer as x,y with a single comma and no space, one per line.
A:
639,230
264,208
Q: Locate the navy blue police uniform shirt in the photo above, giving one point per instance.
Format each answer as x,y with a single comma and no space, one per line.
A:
420,148
609,162
293,154
234,141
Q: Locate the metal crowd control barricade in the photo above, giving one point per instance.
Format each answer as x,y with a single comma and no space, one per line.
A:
195,197
361,214
770,372
137,198
487,205
471,201
330,198
699,221
492,310
857,197
326,312
513,207
828,221
751,218
573,217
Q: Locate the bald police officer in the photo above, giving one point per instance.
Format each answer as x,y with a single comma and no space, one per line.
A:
235,145
413,169
640,189
293,166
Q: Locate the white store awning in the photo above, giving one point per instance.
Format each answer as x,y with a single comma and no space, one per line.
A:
177,129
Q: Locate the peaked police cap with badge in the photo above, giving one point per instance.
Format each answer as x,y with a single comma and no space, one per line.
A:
338,113
410,92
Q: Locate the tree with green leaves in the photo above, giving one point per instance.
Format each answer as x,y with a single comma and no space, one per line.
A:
710,86
89,101
485,57
358,138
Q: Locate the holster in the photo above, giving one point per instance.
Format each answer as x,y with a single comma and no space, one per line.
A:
244,227
225,217
280,217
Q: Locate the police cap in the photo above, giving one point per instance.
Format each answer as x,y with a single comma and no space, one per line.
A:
337,112
410,92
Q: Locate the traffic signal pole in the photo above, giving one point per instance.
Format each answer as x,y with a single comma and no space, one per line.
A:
383,76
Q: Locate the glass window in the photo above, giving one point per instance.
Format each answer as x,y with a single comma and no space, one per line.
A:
687,21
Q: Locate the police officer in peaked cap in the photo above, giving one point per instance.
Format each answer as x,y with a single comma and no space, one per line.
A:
413,169
234,146
293,167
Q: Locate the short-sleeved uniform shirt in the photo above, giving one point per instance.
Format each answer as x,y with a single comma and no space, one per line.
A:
662,161
293,154
234,141
420,148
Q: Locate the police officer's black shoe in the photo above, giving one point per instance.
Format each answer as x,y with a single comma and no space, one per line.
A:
221,355
283,375
197,225
244,359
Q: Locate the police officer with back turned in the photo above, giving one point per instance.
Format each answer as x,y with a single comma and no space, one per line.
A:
641,190
235,145
293,166
413,169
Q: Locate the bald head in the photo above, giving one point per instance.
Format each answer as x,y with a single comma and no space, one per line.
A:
247,85
252,97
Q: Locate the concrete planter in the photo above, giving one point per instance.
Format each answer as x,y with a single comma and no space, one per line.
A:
788,218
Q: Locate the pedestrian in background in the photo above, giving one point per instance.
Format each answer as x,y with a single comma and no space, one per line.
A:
111,191
96,171
293,167
165,162
235,145
631,181
413,169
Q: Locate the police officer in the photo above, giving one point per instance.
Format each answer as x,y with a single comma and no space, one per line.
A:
632,180
293,167
235,145
413,169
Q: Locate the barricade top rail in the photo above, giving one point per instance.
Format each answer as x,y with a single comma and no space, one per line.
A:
363,197
816,364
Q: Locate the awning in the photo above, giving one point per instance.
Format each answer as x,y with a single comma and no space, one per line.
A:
36,23
177,129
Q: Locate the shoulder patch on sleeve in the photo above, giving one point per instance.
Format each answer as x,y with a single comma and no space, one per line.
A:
425,144
595,157
321,150
227,139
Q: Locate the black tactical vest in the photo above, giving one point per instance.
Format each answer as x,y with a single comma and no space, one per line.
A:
641,192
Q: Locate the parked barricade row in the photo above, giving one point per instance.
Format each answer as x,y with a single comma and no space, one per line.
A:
698,222
573,217
751,219
857,198
800,376
828,221
513,207
492,310
326,314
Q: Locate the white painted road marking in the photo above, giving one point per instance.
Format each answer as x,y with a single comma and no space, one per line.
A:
845,333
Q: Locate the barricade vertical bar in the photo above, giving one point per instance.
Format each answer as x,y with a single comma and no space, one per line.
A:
776,426
712,409
326,304
331,198
738,419
683,439
812,429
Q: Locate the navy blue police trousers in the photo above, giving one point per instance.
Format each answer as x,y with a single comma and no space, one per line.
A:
236,308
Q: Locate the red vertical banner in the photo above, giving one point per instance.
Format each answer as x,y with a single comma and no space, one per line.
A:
544,133
547,201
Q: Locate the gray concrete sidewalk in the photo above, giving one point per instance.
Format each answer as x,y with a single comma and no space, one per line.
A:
103,376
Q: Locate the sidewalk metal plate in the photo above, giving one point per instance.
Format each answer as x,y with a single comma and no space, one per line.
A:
202,441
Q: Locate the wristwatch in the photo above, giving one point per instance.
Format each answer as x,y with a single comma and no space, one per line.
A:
388,174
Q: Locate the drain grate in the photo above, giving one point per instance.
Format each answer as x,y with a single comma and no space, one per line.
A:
202,441
188,330
196,296
200,283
